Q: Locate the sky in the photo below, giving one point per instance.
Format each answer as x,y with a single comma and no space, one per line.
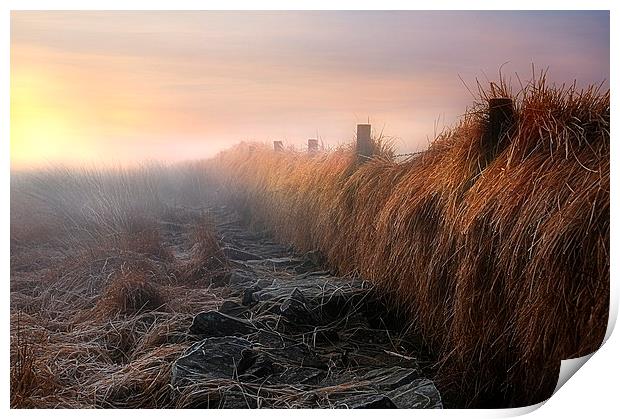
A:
120,87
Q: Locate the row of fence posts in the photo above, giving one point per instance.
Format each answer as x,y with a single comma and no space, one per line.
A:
313,146
501,116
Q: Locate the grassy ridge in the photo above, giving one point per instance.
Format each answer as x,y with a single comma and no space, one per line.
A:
501,262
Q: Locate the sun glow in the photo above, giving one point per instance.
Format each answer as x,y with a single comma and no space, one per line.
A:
40,131
124,87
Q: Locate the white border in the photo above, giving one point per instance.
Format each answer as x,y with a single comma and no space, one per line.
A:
592,392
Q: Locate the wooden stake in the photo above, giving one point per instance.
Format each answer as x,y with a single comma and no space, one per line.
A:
364,143
313,146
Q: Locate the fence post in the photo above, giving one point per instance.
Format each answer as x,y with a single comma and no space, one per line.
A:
278,146
313,146
501,117
364,143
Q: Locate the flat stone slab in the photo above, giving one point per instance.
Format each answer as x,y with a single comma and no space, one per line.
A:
419,394
238,254
215,323
211,358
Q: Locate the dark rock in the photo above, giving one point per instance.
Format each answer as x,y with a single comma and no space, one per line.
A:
373,401
256,364
304,267
361,333
264,283
310,274
214,323
419,394
375,356
287,351
250,296
236,399
322,337
232,308
240,277
238,254
295,309
278,262
384,388
298,375
315,257
391,378
211,358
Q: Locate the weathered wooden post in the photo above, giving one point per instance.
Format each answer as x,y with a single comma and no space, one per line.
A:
278,146
313,146
501,117
364,143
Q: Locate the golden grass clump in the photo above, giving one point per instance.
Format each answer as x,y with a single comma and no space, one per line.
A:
131,293
207,263
500,257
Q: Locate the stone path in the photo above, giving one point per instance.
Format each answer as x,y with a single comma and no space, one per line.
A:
292,335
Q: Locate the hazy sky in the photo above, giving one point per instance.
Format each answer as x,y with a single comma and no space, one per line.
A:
126,86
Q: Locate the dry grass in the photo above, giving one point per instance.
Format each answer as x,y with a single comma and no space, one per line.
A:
500,257
98,311
131,293
207,263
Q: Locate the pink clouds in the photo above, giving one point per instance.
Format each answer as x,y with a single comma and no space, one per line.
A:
139,85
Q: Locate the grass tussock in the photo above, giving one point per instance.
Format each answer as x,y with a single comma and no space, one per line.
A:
499,253
131,293
207,263
98,311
